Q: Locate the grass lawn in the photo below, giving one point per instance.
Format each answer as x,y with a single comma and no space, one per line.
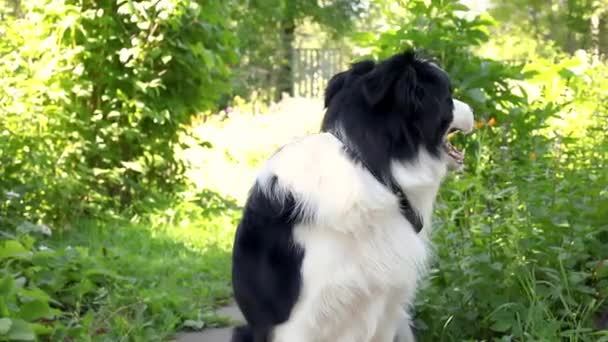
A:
167,273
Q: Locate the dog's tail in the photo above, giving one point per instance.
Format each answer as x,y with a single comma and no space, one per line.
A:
242,334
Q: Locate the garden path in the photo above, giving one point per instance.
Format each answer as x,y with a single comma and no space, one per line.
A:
214,334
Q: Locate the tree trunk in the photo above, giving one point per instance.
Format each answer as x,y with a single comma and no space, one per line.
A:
603,36
570,40
15,8
535,23
288,30
285,77
595,34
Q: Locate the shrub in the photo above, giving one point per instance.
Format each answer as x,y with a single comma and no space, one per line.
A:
96,95
48,293
519,235
113,279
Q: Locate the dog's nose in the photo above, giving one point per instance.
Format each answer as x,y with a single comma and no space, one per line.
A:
463,117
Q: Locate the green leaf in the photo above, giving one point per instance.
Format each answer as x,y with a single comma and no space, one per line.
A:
21,331
101,272
458,7
124,54
7,286
192,324
143,25
36,309
34,294
40,329
501,326
98,171
208,58
602,269
135,166
566,73
4,306
477,95
12,249
28,228
5,325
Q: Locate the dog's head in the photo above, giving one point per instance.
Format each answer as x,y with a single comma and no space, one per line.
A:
390,111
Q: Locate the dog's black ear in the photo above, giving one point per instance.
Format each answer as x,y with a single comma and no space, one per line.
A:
340,80
377,85
393,80
334,85
407,91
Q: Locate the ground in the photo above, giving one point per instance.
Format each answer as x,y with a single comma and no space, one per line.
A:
214,334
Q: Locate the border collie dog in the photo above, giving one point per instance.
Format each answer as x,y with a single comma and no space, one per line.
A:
334,235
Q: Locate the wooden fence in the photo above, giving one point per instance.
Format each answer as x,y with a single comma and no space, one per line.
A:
312,68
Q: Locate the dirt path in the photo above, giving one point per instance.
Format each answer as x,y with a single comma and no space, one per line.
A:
214,334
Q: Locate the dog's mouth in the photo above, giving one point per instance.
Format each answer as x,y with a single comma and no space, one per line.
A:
456,155
462,122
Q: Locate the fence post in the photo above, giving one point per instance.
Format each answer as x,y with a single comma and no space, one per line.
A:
312,69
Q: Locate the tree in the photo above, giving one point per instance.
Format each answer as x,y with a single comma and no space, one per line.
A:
96,93
571,24
10,7
267,30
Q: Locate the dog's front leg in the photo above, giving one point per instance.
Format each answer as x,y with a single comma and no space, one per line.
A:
292,331
394,326
404,329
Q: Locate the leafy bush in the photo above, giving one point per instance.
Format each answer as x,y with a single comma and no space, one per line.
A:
521,235
119,280
50,293
96,94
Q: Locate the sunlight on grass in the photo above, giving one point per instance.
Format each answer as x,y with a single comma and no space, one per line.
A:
243,142
172,267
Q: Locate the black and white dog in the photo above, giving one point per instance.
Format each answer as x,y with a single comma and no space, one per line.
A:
334,235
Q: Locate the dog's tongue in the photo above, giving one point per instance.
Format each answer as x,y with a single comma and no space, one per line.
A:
454,153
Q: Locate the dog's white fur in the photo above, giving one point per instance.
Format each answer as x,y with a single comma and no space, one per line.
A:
363,259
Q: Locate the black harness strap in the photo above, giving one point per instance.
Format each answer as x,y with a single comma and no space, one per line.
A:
405,207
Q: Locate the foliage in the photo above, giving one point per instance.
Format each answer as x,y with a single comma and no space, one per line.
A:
567,24
521,236
267,32
40,285
117,280
539,234
96,94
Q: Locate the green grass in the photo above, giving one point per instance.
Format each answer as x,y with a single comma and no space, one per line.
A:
174,266
122,280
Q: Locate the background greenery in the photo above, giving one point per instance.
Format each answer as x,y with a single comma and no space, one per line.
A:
120,184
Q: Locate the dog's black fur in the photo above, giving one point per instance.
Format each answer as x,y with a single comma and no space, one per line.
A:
266,264
387,111
382,112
